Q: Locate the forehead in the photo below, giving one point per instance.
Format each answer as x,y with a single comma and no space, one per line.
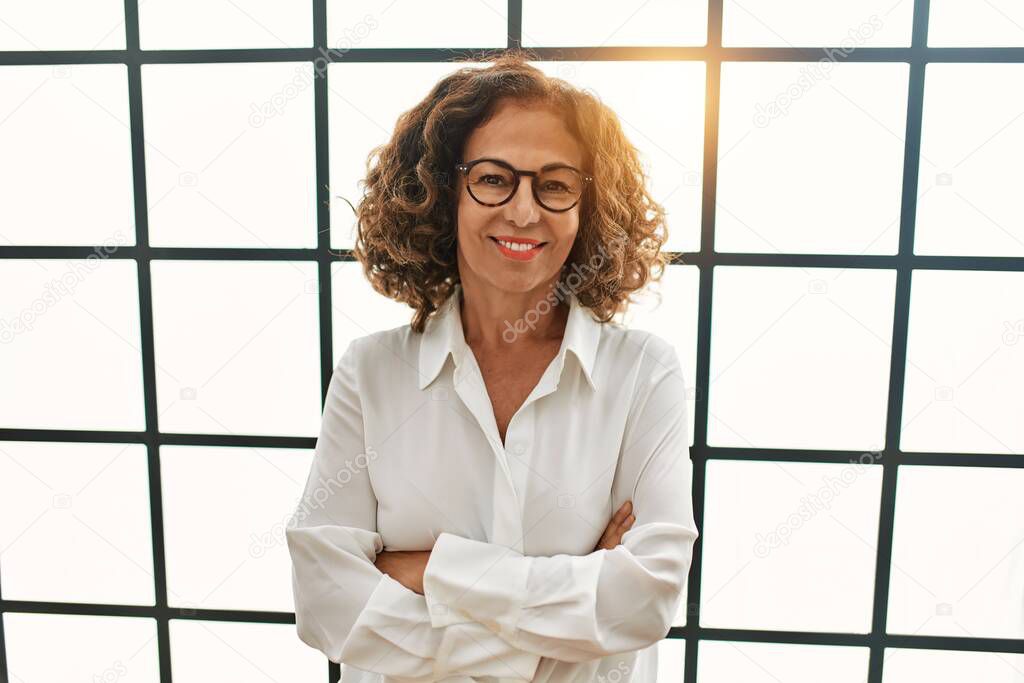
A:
526,135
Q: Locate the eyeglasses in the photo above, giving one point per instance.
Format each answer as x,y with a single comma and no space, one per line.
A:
492,182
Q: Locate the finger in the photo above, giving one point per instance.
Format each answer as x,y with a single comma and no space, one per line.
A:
615,523
621,513
610,533
625,524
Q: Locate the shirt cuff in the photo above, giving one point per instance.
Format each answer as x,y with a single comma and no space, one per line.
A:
442,615
485,581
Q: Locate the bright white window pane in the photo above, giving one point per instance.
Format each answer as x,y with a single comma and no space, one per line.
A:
674,319
839,24
199,24
671,660
66,176
599,23
225,512
951,666
358,309
217,651
237,347
965,343
66,647
992,23
230,158
969,199
69,344
661,108
362,115
800,357
976,591
787,183
413,23
731,662
790,546
80,504
62,25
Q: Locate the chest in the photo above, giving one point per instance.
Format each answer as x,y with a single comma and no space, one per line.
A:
549,486
510,378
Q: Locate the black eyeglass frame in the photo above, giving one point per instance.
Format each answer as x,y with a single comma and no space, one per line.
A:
586,179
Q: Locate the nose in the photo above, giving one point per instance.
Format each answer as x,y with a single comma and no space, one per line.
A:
522,209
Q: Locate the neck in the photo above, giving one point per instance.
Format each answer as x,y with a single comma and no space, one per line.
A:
497,319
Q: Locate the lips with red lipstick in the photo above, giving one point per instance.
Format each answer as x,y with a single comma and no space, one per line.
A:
520,244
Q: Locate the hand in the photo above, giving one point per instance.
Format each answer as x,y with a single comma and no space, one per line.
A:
620,523
404,566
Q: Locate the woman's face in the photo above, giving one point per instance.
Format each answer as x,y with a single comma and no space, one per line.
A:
527,137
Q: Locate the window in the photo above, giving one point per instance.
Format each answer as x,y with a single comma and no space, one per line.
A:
176,285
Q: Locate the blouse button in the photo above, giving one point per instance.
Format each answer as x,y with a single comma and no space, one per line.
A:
519,448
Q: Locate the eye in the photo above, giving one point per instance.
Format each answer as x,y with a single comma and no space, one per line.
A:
487,179
555,186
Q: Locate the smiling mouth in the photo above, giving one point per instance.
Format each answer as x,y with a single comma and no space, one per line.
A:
531,246
518,253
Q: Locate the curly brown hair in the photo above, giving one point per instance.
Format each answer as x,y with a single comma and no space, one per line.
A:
406,225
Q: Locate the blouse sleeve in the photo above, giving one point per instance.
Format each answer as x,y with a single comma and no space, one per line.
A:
578,608
346,607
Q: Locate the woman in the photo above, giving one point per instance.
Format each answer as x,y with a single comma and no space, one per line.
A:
521,512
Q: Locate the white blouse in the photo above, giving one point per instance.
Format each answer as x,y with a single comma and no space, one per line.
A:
409,458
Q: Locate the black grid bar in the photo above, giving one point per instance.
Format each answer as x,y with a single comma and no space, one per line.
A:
693,258
917,55
897,368
323,219
626,54
713,88
138,142
705,452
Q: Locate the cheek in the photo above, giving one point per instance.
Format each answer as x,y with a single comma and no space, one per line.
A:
468,218
567,228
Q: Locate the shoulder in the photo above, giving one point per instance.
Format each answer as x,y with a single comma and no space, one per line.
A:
642,369
642,353
383,362
646,374
383,346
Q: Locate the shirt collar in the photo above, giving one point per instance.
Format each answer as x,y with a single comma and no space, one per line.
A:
443,335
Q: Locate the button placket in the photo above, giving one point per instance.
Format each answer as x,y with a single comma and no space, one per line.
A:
506,526
520,441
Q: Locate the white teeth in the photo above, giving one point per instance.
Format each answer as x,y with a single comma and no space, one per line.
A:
514,246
